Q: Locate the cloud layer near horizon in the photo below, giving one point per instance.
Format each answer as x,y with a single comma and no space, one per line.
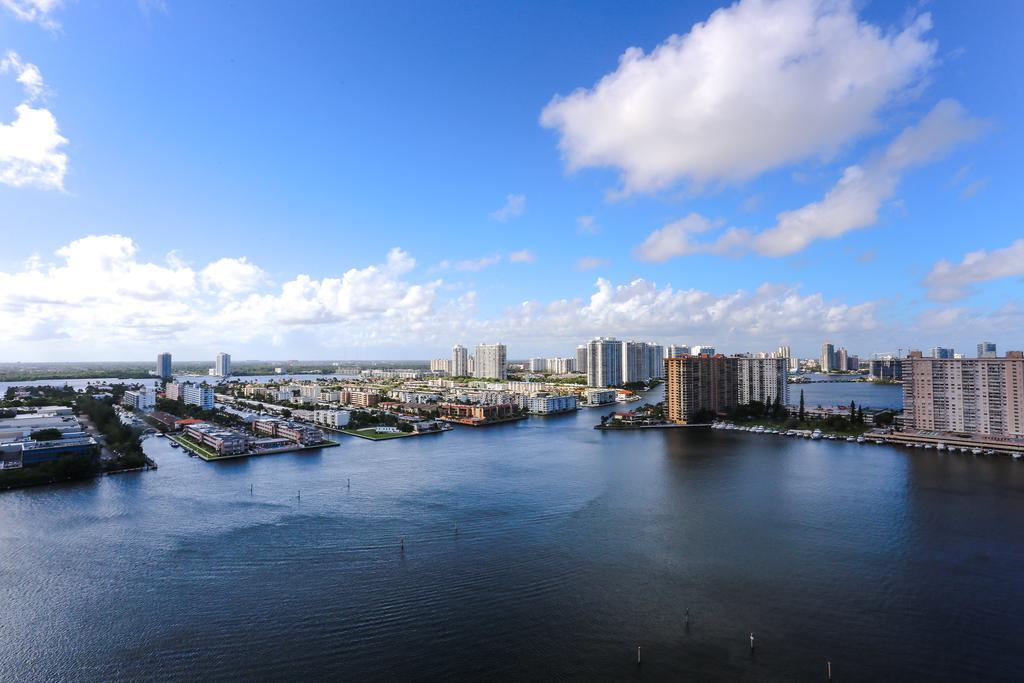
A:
99,291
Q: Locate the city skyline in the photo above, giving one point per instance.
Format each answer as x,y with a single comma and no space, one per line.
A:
287,203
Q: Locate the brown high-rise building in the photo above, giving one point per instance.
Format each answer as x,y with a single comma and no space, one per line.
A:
699,383
974,395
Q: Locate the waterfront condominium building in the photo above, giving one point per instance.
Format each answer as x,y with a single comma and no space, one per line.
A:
441,365
163,365
656,360
197,395
762,379
604,362
987,350
560,366
699,383
537,364
828,357
222,368
635,366
974,395
490,361
460,361
581,358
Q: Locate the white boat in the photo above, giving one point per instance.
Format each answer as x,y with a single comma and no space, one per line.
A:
861,439
831,437
879,442
1018,456
851,439
940,447
928,446
174,444
816,434
975,451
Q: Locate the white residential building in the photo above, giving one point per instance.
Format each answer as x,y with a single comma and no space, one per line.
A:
222,368
490,361
441,365
560,366
198,395
139,399
335,419
762,379
537,365
546,405
604,362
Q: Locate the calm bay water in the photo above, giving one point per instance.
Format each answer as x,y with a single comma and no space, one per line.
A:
574,546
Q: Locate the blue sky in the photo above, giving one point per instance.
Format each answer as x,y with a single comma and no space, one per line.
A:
235,176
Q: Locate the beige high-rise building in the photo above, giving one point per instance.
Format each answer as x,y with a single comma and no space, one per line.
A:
973,395
700,383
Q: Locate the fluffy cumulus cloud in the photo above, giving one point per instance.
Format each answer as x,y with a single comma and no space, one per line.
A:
515,205
949,281
37,11
31,144
759,85
852,203
98,292
231,276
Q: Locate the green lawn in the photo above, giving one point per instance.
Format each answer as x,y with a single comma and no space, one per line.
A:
203,451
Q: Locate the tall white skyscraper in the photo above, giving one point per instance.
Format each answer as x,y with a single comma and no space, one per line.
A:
460,361
635,363
163,365
490,361
987,350
222,367
762,379
604,362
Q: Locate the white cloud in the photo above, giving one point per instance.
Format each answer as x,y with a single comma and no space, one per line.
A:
948,281
36,11
99,294
28,75
855,200
474,265
232,276
852,203
590,263
587,225
759,85
30,145
515,205
524,256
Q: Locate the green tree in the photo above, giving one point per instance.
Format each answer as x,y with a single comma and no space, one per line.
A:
801,414
853,411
